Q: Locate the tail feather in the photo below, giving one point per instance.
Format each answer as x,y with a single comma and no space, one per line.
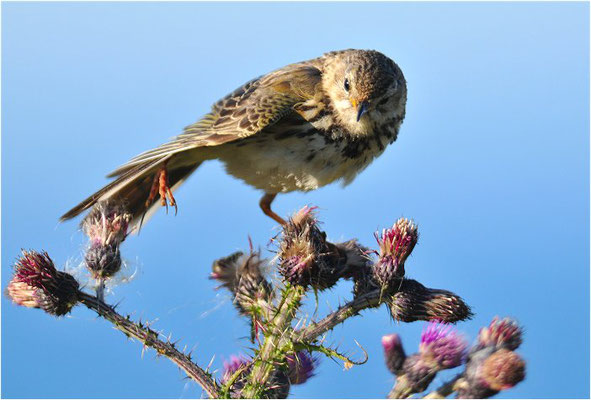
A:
132,188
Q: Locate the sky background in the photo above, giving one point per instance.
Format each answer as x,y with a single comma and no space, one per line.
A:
492,162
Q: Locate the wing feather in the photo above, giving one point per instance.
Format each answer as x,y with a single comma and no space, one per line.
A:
245,112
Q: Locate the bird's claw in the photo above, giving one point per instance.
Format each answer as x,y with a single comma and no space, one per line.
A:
160,187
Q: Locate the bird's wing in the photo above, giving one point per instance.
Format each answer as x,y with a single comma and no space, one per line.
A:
244,112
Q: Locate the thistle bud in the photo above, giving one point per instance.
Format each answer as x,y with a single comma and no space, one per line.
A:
301,367
242,274
393,353
488,371
503,370
395,245
106,227
37,284
504,333
415,302
306,259
442,347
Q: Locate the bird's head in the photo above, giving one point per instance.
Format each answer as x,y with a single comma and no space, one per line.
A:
365,88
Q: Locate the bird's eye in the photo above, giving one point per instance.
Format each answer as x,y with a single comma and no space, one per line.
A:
347,86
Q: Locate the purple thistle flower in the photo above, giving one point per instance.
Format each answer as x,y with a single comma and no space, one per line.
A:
393,352
395,245
502,333
301,367
37,284
234,364
442,345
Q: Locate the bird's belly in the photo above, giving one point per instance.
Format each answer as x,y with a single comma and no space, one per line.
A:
276,163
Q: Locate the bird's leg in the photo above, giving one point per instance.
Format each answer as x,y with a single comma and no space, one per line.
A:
160,186
265,204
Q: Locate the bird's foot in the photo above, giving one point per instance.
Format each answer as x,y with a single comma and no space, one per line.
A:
160,187
265,204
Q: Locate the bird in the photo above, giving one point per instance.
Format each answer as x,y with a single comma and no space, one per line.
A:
298,128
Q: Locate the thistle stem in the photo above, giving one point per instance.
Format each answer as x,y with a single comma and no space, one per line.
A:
352,308
264,364
446,389
150,339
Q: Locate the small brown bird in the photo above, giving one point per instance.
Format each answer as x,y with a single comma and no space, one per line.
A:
298,128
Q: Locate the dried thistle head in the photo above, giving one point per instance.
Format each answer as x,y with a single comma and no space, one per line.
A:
442,346
37,284
393,353
415,302
501,333
106,227
243,275
107,223
395,245
306,259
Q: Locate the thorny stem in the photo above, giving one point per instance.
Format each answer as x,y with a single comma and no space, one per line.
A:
264,364
352,308
150,339
446,389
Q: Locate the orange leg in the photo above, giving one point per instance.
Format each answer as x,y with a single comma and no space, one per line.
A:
265,204
160,186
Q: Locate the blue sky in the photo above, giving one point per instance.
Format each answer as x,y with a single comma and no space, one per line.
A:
492,162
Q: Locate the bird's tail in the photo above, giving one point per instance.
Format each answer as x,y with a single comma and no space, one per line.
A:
134,187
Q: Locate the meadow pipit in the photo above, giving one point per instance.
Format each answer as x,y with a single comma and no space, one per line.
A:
298,128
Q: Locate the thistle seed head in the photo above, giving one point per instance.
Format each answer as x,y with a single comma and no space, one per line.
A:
501,333
103,261
106,227
442,346
107,223
395,245
393,353
37,284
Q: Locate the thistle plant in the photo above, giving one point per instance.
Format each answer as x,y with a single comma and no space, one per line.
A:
286,345
490,365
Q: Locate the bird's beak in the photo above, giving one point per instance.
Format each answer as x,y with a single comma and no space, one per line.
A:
361,109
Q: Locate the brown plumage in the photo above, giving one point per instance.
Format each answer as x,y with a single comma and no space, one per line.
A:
297,128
